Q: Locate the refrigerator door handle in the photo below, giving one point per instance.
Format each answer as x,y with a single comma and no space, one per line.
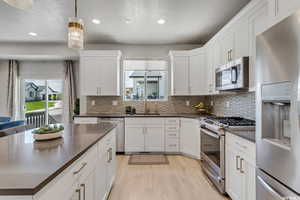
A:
273,192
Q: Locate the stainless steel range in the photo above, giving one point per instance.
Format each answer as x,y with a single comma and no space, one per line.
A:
213,145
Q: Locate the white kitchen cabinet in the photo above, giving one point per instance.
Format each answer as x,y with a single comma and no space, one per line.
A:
88,178
179,73
258,23
280,9
154,139
86,120
197,74
188,74
240,168
172,135
100,73
190,137
241,38
144,135
227,46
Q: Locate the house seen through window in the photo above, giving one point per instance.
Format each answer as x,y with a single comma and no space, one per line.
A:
145,79
43,103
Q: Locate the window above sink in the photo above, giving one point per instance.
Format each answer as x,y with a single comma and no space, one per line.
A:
145,80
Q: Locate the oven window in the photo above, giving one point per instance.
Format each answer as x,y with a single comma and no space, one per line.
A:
210,146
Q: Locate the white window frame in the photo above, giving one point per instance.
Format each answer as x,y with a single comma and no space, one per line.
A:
145,81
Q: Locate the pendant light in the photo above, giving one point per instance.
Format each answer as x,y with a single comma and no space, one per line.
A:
76,32
20,4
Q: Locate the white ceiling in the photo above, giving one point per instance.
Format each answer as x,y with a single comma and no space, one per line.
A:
187,21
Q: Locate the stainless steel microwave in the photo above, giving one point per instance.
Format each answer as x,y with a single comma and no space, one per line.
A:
233,76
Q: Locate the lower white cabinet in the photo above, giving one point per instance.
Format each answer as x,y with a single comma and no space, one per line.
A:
144,135
240,168
89,178
190,137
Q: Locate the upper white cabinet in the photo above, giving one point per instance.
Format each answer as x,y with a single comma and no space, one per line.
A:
179,73
190,137
280,9
188,72
198,78
100,73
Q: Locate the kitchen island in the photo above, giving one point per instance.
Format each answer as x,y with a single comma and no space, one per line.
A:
58,169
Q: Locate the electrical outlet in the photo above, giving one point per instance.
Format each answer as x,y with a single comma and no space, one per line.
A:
227,105
114,102
93,102
187,103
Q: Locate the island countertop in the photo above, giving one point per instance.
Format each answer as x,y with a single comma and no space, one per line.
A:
26,166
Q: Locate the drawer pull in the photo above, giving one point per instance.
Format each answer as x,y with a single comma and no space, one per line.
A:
172,145
81,168
79,193
174,134
241,166
237,162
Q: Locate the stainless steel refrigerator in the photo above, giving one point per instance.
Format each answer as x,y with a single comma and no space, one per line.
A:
278,110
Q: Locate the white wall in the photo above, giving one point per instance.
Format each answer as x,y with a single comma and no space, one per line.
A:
3,87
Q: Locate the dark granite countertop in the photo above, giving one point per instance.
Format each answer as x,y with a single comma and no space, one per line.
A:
185,115
27,166
248,135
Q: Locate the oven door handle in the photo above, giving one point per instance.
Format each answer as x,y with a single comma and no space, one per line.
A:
210,133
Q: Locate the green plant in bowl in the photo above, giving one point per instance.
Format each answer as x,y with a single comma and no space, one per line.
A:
48,129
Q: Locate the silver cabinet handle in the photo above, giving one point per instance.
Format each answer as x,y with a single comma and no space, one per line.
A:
79,194
110,154
237,162
241,165
81,168
83,186
274,193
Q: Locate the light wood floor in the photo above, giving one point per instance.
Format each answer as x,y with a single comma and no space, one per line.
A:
182,179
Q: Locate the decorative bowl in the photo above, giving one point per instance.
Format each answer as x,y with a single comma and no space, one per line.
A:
49,136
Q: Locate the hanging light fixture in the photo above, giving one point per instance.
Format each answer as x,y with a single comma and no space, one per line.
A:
20,4
76,32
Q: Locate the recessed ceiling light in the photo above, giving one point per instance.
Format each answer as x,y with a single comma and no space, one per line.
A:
96,21
161,21
127,21
32,34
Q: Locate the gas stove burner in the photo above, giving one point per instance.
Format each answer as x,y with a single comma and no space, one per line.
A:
232,121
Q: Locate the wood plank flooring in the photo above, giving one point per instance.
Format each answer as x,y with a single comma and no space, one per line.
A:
182,179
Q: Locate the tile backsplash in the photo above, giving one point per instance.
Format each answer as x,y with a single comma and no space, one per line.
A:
240,104
173,105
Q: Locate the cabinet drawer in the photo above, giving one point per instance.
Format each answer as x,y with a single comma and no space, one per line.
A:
85,120
172,128
172,145
86,165
144,122
172,121
245,148
172,134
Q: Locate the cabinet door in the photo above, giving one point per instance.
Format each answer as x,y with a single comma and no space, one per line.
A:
249,181
88,187
109,75
101,172
134,139
180,75
190,137
198,76
234,178
90,76
241,38
112,163
154,139
228,51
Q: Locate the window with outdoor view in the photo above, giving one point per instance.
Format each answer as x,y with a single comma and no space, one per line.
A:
145,79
